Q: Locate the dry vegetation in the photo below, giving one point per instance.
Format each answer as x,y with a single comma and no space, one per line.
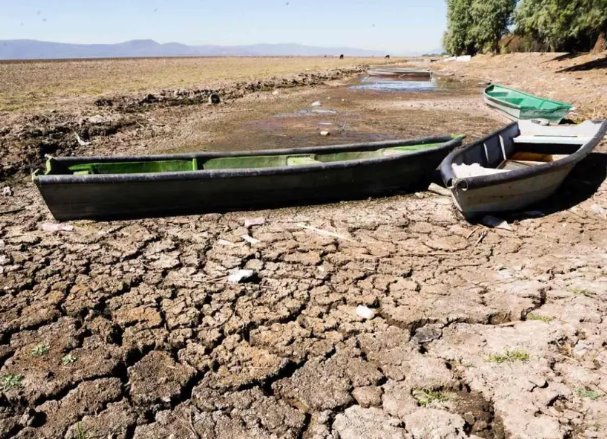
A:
50,84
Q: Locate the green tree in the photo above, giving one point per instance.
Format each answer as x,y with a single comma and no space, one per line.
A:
567,25
475,26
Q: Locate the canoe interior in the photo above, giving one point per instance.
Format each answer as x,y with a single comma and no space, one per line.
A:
134,166
496,151
524,100
520,149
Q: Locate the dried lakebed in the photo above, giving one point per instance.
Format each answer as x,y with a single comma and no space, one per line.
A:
132,329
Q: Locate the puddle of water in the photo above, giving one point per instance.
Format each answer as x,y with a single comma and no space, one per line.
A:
306,112
379,84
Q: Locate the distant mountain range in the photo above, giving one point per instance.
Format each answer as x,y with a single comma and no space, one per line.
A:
33,49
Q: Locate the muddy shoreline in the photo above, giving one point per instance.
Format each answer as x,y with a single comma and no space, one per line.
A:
131,329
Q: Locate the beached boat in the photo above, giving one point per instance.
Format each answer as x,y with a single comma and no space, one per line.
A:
518,165
128,187
400,73
518,105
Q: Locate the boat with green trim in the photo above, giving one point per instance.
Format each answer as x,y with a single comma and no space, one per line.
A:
160,185
518,105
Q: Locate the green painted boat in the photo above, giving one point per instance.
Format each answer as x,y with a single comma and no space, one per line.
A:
147,186
518,105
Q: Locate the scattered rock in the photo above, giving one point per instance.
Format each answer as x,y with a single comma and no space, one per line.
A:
7,191
214,99
316,104
369,396
325,133
250,239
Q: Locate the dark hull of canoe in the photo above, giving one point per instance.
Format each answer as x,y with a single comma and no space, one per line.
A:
164,194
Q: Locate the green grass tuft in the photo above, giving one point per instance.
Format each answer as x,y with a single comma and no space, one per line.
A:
426,397
583,292
11,381
545,319
40,350
80,432
588,393
509,357
68,359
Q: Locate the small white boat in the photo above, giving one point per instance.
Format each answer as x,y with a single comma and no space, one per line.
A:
518,165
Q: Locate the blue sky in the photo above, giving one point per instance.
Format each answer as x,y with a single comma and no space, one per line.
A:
396,26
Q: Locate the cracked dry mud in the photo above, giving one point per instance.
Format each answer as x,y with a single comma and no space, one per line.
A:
130,329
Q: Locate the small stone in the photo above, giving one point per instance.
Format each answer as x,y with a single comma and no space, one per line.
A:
250,239
316,104
275,92
427,333
7,191
469,418
325,133
369,396
365,312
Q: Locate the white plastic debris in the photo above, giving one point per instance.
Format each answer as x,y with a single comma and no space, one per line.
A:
495,223
325,133
250,222
250,239
7,191
364,312
474,170
80,141
316,104
57,227
240,276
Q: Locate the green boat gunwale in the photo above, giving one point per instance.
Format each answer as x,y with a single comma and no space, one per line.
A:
447,142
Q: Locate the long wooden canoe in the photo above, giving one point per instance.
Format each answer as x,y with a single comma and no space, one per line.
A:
518,105
518,165
129,187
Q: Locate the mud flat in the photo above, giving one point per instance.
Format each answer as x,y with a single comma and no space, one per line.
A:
133,329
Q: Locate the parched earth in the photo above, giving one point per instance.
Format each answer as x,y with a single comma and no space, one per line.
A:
133,329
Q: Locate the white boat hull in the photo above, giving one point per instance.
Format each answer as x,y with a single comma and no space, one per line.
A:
512,195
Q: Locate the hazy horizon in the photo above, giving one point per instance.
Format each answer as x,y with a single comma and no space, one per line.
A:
391,26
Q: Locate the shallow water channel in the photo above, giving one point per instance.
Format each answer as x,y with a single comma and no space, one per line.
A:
361,109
